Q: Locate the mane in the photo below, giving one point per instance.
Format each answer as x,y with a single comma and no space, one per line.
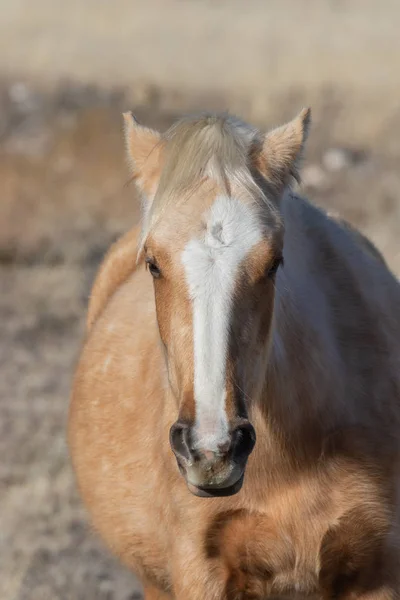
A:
215,145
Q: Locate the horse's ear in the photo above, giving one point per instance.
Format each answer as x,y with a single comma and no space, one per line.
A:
142,147
282,149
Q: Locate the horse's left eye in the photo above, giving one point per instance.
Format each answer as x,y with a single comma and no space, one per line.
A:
275,266
153,268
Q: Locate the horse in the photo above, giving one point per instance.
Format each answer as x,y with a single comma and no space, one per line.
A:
234,424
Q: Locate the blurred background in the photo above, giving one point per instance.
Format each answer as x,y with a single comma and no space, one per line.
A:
67,70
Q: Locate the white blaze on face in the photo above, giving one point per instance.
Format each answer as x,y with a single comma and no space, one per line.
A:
211,266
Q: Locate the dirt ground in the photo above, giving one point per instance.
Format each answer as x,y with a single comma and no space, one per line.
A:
63,200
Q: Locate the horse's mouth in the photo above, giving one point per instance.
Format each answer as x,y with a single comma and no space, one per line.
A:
216,492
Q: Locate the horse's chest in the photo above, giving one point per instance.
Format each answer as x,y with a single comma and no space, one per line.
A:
311,548
263,556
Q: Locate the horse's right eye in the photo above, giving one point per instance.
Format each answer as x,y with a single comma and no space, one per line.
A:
153,268
275,266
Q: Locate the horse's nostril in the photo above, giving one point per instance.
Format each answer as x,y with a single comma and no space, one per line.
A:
237,447
179,437
243,440
224,448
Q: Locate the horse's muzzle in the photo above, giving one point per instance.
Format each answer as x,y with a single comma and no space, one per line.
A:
209,473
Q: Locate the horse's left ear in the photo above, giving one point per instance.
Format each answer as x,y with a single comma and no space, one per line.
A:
143,152
281,151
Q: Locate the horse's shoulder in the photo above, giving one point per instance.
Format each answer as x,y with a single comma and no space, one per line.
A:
118,264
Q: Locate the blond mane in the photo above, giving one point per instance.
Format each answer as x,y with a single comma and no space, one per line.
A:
200,146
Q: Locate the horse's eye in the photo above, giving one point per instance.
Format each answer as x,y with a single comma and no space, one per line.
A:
275,266
153,268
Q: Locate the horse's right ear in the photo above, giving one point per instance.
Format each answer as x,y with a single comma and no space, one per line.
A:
143,152
282,150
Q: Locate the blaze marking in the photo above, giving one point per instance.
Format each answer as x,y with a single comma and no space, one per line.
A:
211,267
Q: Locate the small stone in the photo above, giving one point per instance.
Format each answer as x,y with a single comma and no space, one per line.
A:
313,176
336,159
22,96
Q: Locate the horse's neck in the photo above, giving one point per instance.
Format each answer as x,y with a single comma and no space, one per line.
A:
300,379
286,414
